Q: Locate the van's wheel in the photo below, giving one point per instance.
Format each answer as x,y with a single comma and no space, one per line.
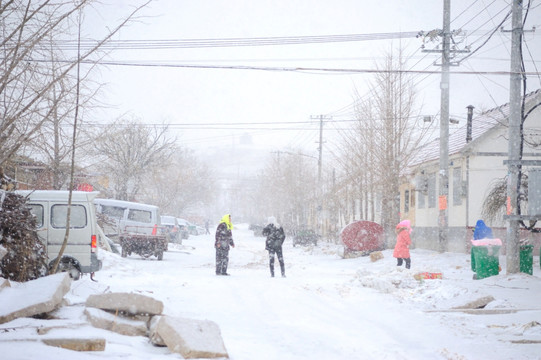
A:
67,265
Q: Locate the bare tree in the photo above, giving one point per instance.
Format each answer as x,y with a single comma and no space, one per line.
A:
53,140
383,141
131,153
287,188
183,185
29,82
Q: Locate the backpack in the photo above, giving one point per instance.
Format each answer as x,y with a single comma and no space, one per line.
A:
278,237
275,237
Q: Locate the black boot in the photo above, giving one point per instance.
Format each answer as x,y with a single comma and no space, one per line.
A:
408,263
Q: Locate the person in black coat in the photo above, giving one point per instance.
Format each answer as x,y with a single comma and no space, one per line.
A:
275,238
224,239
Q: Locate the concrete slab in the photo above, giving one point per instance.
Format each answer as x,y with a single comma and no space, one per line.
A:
104,320
33,297
4,283
477,304
94,344
153,335
193,339
129,302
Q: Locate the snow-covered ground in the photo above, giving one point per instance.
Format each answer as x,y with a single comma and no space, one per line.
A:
326,308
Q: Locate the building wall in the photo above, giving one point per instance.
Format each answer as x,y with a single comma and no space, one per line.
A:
486,165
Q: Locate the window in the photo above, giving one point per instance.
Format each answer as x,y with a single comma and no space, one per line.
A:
420,200
37,211
406,201
432,190
140,216
115,212
77,216
457,186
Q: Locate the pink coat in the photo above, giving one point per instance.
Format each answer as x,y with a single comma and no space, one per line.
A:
403,241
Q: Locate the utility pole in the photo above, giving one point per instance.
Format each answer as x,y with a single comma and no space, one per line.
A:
320,147
443,226
444,129
515,118
319,168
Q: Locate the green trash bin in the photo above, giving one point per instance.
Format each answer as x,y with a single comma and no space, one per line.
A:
485,260
526,259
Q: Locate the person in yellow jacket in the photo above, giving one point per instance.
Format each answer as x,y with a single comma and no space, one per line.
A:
224,239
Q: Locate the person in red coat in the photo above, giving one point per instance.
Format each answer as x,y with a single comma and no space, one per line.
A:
403,241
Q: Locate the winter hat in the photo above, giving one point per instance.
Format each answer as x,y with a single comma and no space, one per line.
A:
482,231
404,224
227,221
272,220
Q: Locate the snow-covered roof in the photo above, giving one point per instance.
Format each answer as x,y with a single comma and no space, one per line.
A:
481,124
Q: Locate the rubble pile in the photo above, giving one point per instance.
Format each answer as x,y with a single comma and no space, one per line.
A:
128,314
25,257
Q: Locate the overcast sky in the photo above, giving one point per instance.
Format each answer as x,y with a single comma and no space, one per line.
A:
203,102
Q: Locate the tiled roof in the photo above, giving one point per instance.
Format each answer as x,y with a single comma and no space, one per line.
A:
457,140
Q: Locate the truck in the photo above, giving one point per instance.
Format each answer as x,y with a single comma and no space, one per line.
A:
135,226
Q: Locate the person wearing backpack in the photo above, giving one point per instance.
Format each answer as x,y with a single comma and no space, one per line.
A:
275,238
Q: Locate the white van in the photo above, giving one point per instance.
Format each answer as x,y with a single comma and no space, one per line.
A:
128,217
50,209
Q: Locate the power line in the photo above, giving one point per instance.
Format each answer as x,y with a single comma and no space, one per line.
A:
158,44
336,71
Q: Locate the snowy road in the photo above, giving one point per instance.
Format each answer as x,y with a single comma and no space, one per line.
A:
319,311
326,308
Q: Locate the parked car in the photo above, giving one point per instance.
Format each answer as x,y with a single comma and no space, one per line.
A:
305,237
192,229
183,228
257,229
200,230
171,228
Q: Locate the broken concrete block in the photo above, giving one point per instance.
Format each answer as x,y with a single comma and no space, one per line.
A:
155,338
42,330
3,252
4,283
33,297
104,320
96,344
375,256
192,338
477,304
128,302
